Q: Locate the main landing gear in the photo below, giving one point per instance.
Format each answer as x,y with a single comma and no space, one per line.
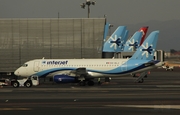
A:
140,79
83,83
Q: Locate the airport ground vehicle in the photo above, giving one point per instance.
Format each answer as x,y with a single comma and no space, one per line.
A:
28,82
3,82
168,68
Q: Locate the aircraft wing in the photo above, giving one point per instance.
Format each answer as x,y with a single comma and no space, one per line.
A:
80,72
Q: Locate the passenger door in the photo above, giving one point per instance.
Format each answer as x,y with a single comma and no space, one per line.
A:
36,66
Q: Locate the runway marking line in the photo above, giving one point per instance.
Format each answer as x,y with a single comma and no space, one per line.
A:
14,109
168,86
148,106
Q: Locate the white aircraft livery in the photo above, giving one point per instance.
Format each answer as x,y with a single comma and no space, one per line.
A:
85,70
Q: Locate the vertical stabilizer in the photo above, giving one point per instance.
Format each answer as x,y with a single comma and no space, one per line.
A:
115,41
147,49
144,31
126,35
106,29
133,43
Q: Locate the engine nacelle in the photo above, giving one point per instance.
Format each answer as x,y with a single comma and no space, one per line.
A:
64,79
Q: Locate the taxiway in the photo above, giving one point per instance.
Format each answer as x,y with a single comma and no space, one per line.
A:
158,95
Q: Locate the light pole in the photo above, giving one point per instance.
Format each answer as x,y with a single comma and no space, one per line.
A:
88,3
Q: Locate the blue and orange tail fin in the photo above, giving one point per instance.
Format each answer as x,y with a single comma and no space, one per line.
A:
147,49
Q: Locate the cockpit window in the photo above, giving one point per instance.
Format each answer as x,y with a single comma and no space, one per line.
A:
24,65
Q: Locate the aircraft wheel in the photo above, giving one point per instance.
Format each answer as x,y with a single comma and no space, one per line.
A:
133,75
15,84
28,84
107,79
141,81
82,83
90,83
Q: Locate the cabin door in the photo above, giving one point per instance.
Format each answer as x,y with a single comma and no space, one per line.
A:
36,66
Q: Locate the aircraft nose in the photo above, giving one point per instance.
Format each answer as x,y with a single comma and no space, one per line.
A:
16,73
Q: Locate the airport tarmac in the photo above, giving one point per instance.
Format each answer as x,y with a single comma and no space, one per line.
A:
158,95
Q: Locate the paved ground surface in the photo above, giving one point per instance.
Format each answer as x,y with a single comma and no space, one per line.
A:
158,95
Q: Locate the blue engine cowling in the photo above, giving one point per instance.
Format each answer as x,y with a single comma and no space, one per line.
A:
64,79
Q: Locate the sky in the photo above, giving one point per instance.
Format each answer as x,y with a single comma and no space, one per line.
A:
116,11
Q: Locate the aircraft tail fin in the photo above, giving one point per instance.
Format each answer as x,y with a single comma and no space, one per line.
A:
106,29
114,43
144,31
147,49
126,35
133,43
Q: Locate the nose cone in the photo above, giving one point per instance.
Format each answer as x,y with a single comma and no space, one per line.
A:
21,72
17,73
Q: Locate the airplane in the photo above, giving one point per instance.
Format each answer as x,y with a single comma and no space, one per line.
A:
84,71
124,46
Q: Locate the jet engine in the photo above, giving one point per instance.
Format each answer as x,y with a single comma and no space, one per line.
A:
64,79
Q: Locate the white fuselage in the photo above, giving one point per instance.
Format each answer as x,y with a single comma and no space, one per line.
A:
94,67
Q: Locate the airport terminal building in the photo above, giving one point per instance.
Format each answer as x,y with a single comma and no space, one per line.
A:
24,39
